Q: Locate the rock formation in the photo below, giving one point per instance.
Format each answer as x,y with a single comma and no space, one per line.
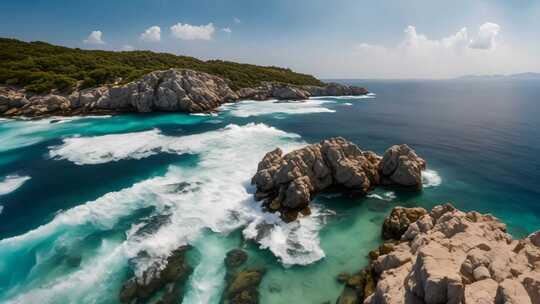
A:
287,183
169,279
242,283
451,256
173,90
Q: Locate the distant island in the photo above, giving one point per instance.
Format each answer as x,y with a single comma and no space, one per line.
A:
520,76
39,79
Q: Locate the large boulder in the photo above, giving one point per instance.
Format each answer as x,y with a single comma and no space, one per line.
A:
401,166
451,256
287,183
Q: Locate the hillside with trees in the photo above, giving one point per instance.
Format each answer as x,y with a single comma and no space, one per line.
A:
41,67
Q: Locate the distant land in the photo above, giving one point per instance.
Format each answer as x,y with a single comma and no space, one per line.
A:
520,76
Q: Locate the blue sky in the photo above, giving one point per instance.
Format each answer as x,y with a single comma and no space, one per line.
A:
331,39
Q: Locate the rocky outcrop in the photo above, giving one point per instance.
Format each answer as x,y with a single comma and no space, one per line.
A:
173,90
401,166
451,256
168,278
335,89
287,183
242,282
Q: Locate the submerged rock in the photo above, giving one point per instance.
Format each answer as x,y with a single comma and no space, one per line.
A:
242,283
451,256
169,278
287,183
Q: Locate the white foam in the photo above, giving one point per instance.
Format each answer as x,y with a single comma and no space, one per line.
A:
11,183
387,196
248,108
431,178
217,197
294,243
115,147
1,209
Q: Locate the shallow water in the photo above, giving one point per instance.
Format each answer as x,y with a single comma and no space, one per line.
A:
80,197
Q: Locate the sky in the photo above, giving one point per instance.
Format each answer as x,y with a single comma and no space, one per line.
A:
329,39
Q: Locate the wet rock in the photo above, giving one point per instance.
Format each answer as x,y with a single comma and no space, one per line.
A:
243,287
169,278
242,283
235,258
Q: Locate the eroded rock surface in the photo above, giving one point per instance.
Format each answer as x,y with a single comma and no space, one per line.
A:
287,183
173,90
451,256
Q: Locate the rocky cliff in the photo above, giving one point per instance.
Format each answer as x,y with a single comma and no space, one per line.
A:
287,183
173,90
448,256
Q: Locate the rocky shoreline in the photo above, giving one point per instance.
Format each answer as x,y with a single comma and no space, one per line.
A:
446,256
173,90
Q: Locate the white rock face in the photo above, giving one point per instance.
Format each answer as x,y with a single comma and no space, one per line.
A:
450,256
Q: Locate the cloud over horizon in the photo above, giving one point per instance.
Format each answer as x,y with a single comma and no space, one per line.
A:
95,37
418,56
151,34
192,32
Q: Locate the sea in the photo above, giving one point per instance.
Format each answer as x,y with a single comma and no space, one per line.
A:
82,197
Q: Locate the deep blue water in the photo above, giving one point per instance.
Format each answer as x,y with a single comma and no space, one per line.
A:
480,138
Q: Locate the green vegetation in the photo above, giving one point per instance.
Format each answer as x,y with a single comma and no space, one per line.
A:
41,67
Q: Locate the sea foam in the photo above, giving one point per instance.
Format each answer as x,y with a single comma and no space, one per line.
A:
431,178
213,195
250,108
11,183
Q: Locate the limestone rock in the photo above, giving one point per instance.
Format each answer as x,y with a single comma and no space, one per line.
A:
173,90
449,256
287,183
401,166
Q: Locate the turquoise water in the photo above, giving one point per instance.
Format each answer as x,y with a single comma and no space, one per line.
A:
74,191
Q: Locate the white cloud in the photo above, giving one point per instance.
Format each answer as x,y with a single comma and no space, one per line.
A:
227,30
95,37
486,36
127,47
152,34
237,21
418,56
192,32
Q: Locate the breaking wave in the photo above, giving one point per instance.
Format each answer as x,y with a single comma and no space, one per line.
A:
431,178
